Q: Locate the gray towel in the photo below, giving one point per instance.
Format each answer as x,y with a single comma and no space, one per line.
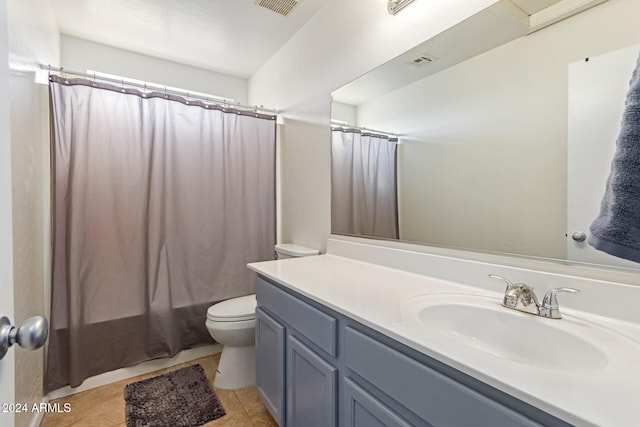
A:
616,230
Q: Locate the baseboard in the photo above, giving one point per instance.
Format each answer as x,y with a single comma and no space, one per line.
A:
134,371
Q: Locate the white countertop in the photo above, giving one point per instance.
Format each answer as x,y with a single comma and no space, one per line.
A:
377,296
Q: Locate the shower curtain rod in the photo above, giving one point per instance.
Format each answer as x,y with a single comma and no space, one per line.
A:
345,126
154,86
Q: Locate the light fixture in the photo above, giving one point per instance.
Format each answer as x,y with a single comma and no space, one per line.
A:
395,6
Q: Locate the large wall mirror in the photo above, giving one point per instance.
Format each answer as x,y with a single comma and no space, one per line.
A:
505,127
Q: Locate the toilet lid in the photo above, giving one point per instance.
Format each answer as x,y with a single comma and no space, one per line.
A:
241,308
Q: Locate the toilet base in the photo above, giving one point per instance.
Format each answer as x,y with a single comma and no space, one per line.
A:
237,368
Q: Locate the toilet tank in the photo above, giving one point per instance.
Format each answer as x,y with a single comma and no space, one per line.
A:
291,250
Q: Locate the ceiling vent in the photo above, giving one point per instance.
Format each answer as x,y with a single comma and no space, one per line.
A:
395,6
283,7
423,60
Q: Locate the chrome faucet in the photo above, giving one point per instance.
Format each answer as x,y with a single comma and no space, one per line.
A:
521,297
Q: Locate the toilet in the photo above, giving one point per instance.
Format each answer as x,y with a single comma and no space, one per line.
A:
232,323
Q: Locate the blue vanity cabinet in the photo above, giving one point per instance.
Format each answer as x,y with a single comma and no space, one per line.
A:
319,368
296,348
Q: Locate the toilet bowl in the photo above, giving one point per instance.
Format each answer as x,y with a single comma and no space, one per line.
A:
232,323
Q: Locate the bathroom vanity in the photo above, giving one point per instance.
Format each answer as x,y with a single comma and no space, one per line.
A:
301,374
341,342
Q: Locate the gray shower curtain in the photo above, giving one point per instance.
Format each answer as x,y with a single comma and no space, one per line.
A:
363,184
158,203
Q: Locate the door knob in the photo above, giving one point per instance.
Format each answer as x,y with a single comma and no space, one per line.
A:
579,236
30,336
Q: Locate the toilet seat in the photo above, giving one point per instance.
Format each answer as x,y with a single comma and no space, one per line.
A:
233,310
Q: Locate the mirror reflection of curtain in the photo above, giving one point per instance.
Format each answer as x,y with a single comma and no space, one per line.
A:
363,184
159,203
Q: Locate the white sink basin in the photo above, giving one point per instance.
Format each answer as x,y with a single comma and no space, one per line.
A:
485,326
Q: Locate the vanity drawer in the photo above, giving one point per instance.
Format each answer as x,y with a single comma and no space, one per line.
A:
432,396
316,326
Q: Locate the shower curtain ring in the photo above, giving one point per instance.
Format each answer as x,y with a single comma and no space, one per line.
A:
66,80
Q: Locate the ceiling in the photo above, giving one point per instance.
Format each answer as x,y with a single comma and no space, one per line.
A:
230,36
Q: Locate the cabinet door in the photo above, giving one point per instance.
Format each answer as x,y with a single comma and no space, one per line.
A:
363,410
270,336
311,387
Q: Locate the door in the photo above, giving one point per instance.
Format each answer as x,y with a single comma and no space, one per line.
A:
7,369
597,92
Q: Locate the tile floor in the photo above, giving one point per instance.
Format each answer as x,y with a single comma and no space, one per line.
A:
104,406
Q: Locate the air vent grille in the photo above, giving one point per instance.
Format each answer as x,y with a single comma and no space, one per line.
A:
423,60
283,7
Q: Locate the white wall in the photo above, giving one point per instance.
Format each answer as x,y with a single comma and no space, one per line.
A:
342,41
82,55
33,39
344,112
33,33
484,166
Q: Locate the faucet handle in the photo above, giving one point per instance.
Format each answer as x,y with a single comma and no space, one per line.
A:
505,280
511,293
550,307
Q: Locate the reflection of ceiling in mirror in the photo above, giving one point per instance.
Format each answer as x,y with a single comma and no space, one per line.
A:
533,6
507,19
448,48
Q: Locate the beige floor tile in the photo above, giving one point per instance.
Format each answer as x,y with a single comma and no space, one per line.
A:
60,420
236,415
102,406
252,404
164,371
230,422
264,422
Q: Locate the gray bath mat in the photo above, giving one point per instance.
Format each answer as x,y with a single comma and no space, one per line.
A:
182,398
